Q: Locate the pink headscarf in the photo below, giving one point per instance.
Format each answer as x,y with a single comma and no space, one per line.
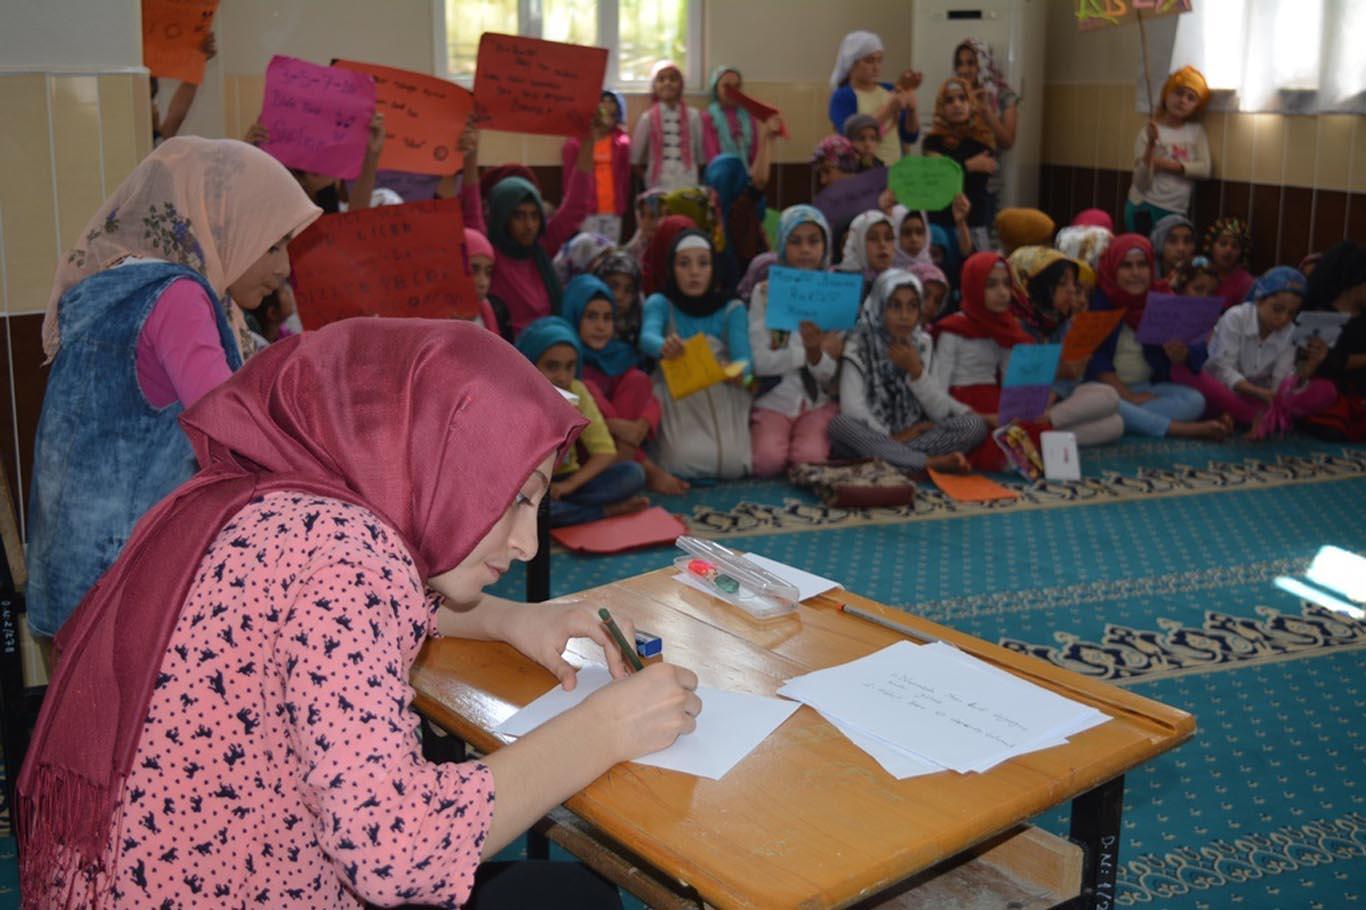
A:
1094,218
212,205
476,244
433,425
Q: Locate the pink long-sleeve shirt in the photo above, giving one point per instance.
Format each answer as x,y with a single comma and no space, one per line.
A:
179,355
280,765
517,282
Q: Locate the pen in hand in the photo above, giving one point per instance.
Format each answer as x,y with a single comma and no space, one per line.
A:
628,653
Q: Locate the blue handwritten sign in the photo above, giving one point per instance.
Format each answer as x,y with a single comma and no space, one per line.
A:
1171,317
1032,364
829,299
844,200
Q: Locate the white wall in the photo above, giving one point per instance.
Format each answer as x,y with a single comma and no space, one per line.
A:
78,35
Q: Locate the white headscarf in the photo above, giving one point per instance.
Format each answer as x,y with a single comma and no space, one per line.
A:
856,241
1084,243
900,258
854,47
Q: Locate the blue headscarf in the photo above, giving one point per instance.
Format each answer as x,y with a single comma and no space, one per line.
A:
618,356
953,264
1281,278
544,334
793,217
722,123
729,176
621,103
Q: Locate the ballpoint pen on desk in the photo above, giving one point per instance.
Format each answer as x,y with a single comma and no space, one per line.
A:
886,623
628,653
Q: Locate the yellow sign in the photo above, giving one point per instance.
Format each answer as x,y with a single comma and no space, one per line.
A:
697,368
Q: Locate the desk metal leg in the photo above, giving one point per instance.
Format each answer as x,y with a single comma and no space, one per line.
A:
538,570
537,590
1096,816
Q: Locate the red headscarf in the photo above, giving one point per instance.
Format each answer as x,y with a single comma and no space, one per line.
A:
433,425
1108,271
655,273
975,320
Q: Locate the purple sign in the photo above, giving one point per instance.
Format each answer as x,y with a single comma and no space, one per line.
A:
1171,317
1027,402
844,200
318,117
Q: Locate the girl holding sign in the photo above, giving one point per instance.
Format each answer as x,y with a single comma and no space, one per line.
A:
1170,153
1050,286
231,719
705,434
1150,403
139,326
891,406
789,420
1254,373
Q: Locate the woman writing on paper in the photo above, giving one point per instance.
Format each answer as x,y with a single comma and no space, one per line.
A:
230,721
142,322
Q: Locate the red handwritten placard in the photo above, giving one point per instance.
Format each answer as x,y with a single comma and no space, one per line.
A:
173,33
423,118
525,85
318,117
758,110
393,260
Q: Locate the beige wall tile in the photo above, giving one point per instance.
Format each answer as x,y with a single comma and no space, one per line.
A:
26,197
1087,136
119,99
1357,180
1115,144
1301,138
1238,140
1334,151
76,134
1268,148
1215,123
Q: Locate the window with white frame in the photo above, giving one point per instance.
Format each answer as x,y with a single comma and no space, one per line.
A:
1291,56
636,32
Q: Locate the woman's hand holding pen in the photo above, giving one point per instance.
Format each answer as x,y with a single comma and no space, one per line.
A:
647,711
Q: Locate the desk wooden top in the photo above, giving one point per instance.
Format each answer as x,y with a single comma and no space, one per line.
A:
808,819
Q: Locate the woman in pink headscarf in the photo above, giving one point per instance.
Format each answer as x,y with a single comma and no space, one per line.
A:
230,719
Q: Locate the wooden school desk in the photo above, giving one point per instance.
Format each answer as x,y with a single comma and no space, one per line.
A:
808,819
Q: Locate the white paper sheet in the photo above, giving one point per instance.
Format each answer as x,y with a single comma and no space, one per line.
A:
936,702
807,585
899,764
731,725
1327,326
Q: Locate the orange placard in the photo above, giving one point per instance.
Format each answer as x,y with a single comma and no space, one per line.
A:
971,487
525,85
173,33
758,110
1087,331
392,260
423,119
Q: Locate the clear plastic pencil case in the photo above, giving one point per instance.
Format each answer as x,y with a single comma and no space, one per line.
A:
735,579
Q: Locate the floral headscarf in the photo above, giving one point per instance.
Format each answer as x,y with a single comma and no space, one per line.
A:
1229,225
838,151
989,76
887,393
212,205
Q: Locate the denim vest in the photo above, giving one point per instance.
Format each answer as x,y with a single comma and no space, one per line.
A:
103,454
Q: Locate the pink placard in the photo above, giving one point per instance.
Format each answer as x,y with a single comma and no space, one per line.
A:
318,117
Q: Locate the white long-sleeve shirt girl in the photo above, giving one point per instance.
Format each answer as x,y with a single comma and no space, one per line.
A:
789,397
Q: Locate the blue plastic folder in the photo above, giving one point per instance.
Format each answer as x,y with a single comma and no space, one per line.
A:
829,299
1032,364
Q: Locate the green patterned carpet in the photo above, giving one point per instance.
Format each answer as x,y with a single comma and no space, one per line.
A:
1156,574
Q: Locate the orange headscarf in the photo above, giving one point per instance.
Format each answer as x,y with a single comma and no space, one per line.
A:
975,127
1191,78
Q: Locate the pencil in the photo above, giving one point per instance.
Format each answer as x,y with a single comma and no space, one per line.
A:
628,653
888,623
